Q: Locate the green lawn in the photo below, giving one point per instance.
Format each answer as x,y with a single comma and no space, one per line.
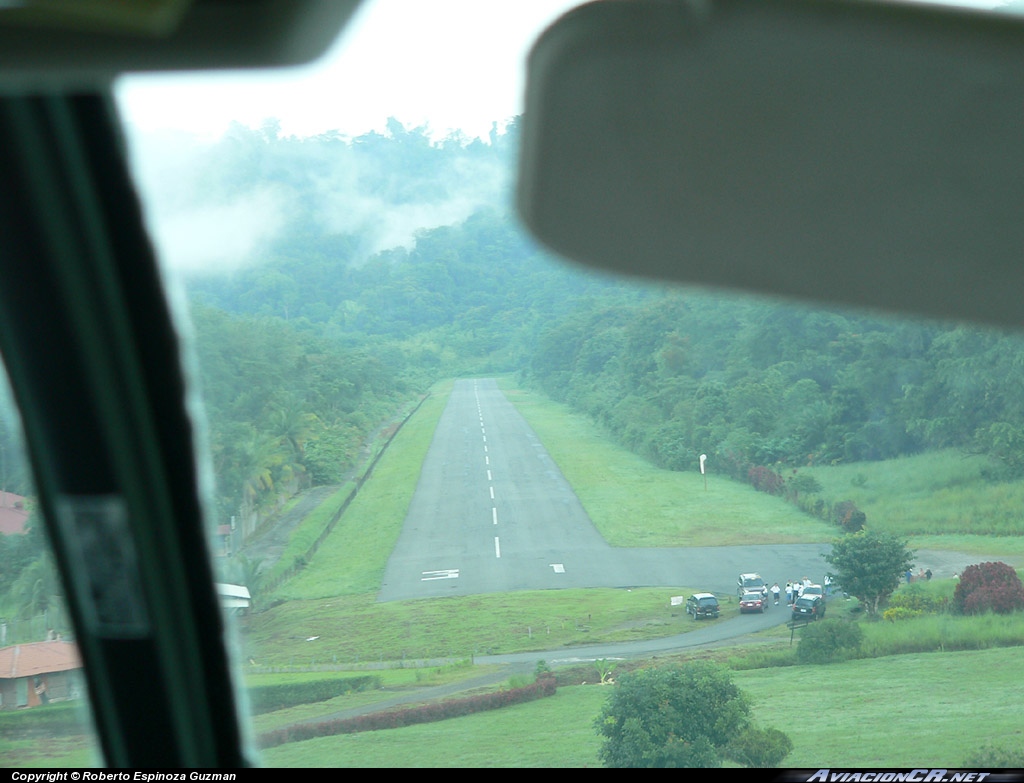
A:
927,710
945,493
552,732
357,628
635,504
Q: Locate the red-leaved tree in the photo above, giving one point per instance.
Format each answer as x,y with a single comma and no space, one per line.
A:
988,587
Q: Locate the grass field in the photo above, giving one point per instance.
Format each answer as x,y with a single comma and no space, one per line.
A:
357,628
908,711
938,493
636,504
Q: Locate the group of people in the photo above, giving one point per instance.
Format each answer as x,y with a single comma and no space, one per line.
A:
795,588
776,592
922,574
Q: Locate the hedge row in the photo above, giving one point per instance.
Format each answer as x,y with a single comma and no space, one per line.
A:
266,698
426,713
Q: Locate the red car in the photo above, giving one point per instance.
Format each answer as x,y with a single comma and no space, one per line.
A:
753,602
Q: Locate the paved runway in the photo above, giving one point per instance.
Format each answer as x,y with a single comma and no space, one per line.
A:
493,513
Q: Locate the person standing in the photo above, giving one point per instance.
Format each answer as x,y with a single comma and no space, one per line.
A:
775,593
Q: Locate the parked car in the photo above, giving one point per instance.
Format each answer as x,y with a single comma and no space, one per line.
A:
810,590
753,602
750,583
702,605
809,607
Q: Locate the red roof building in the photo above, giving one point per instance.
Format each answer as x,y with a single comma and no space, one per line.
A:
38,673
13,514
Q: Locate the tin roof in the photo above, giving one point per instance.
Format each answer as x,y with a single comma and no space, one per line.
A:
27,660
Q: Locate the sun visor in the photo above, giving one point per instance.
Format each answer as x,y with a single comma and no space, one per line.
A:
65,44
860,153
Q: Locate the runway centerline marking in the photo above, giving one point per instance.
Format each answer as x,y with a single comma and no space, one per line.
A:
497,548
492,493
494,515
489,476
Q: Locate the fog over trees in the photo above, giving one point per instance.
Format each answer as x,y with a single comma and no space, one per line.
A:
331,280
388,261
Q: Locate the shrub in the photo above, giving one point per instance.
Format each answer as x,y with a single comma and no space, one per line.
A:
425,713
848,516
824,640
915,600
760,747
266,698
989,587
896,613
766,480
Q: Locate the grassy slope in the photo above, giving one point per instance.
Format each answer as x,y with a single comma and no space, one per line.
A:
636,504
939,493
905,711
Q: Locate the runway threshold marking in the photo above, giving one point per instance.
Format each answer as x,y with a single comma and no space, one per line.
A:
448,573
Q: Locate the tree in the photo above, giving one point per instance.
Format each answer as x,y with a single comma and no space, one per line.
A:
672,717
869,565
988,587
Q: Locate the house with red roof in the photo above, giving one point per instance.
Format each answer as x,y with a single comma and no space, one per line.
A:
13,514
38,673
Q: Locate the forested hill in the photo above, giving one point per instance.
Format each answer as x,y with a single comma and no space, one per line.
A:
376,265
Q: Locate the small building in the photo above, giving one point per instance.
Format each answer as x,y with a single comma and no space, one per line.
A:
13,514
38,673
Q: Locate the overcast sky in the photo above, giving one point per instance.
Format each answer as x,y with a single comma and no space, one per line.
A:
448,64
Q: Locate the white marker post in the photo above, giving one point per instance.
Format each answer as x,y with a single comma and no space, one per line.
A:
703,457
